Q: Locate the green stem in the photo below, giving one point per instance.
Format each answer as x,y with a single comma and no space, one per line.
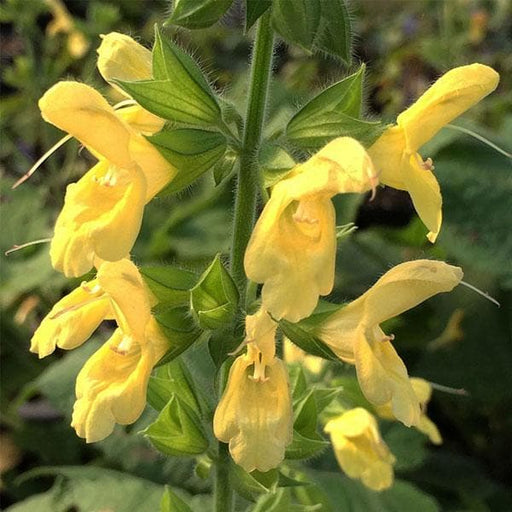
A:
223,491
248,181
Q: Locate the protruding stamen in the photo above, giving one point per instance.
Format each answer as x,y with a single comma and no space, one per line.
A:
447,389
480,292
15,248
36,166
374,181
388,337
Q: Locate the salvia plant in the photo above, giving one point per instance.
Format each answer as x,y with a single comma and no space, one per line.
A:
258,313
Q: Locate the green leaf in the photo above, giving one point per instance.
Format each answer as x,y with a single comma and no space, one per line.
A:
297,22
322,25
214,299
253,10
275,164
191,151
326,126
194,14
298,381
179,91
344,97
245,483
91,488
306,340
225,167
305,412
334,33
303,447
170,285
169,379
172,503
177,430
180,328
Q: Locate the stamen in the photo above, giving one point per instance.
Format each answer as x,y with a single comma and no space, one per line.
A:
124,347
93,291
374,181
124,103
427,164
259,371
480,292
28,244
388,337
109,180
448,389
49,153
240,347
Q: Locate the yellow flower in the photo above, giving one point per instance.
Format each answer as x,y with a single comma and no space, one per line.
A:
63,22
423,391
292,248
360,450
103,210
121,58
254,414
395,153
111,387
355,336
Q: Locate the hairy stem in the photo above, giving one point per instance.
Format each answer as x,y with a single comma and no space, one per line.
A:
248,181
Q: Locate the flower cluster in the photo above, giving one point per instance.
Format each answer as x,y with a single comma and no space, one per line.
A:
97,228
292,254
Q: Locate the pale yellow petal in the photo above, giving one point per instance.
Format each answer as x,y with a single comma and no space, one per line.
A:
121,57
111,388
72,320
255,417
261,331
342,166
292,251
429,428
140,120
405,286
157,170
131,302
383,378
451,95
360,450
101,217
425,193
84,113
386,154
422,389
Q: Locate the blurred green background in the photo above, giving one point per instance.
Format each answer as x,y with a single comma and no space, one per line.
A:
458,340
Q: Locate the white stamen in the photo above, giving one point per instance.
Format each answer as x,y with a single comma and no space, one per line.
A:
125,345
480,292
49,153
28,244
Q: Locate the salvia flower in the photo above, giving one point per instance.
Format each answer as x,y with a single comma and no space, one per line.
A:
423,391
293,246
355,336
111,387
103,211
395,154
254,414
360,450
